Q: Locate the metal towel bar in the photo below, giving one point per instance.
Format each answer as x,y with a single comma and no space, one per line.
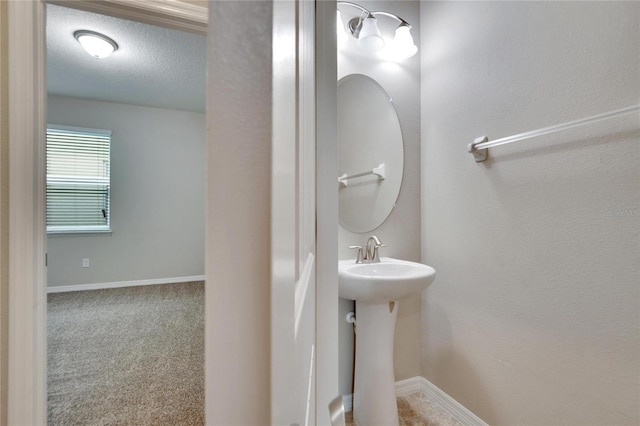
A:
480,145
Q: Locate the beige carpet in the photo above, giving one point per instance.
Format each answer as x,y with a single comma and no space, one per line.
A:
131,356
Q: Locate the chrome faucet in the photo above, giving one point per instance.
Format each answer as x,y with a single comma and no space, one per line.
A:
369,252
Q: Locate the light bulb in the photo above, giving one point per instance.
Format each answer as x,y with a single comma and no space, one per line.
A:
369,38
402,46
97,45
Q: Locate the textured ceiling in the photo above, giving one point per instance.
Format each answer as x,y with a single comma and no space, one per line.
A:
153,66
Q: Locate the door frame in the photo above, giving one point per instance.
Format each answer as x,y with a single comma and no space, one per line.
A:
327,315
26,376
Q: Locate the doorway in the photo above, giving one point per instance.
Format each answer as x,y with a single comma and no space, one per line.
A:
125,222
26,396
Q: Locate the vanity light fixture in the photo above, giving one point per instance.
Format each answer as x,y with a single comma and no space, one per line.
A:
97,45
368,33
364,28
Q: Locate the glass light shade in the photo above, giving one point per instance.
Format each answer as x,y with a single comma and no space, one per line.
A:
402,46
369,38
96,45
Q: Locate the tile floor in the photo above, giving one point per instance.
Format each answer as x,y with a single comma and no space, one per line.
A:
417,409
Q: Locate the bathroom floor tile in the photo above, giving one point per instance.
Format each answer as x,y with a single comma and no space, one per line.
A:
418,410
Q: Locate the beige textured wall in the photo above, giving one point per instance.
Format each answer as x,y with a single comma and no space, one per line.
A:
534,315
4,209
401,231
238,243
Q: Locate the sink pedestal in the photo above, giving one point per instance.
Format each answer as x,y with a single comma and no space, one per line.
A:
372,285
374,396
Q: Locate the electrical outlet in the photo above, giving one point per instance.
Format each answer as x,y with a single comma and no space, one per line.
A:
85,263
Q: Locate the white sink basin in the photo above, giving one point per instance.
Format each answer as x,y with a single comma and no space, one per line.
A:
391,279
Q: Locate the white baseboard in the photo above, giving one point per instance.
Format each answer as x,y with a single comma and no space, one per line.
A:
436,395
409,386
450,405
118,284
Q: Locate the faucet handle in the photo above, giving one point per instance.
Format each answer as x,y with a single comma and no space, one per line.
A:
371,250
376,256
359,255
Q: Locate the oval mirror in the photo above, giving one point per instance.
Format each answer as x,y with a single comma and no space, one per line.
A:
370,153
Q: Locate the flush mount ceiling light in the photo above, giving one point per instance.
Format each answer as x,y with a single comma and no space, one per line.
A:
96,44
364,29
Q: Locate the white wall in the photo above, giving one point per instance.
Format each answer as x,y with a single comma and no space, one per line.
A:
157,196
401,231
533,317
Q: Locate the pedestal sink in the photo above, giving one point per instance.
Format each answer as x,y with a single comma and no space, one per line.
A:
376,287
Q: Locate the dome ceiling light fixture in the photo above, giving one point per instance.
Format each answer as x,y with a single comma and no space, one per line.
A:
97,45
364,29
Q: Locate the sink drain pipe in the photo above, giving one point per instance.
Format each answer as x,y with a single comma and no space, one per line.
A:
351,317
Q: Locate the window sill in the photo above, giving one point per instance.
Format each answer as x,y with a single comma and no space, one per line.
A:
79,233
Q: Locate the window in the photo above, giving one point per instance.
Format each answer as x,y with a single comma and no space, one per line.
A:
78,182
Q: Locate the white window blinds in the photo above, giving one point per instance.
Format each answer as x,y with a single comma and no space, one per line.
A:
78,182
